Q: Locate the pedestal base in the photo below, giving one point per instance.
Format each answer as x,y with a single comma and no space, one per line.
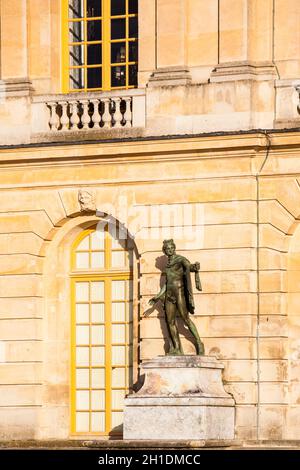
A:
182,398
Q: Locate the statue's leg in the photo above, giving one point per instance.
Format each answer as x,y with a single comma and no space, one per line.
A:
190,324
171,310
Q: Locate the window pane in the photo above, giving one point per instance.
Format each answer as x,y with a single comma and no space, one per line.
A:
117,419
133,51
98,422
133,6
94,54
98,336
117,399
82,422
97,311
118,28
82,261
82,313
98,400
118,355
82,400
82,356
94,30
76,31
97,291
94,78
76,55
118,76
82,335
118,290
133,27
98,356
84,244
76,81
118,7
94,8
118,52
118,311
133,75
97,240
118,333
98,378
82,378
97,259
82,291
118,377
118,259
75,8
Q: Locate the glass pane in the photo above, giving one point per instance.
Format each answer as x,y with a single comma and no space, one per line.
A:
118,76
118,290
82,335
76,81
118,355
98,336
118,7
94,78
75,8
118,28
116,418
76,31
98,356
118,244
82,378
117,399
118,52
98,422
97,313
94,30
118,311
133,6
82,400
118,377
84,244
118,259
118,333
133,27
76,55
82,260
97,291
94,54
97,240
82,313
94,8
82,422
98,378
98,400
133,75
97,259
82,356
133,51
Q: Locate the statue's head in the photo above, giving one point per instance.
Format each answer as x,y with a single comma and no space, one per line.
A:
169,247
86,200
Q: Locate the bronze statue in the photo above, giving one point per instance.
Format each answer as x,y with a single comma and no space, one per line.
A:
177,296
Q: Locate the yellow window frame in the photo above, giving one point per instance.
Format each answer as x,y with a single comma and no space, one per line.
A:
106,50
107,276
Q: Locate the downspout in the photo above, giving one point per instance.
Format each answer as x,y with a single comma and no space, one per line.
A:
257,177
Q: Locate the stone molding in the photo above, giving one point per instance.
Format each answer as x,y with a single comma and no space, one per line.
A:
170,76
16,87
244,70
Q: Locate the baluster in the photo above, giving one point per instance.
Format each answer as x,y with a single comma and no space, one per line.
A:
128,112
54,120
74,119
64,120
85,118
96,118
117,114
106,117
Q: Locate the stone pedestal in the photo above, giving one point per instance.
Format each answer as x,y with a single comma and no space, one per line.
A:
182,398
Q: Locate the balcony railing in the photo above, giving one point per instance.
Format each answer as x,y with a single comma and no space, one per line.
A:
79,112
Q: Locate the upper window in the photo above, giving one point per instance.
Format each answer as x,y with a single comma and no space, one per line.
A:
100,44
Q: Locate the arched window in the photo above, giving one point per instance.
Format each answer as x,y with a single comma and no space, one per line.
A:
101,339
100,44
